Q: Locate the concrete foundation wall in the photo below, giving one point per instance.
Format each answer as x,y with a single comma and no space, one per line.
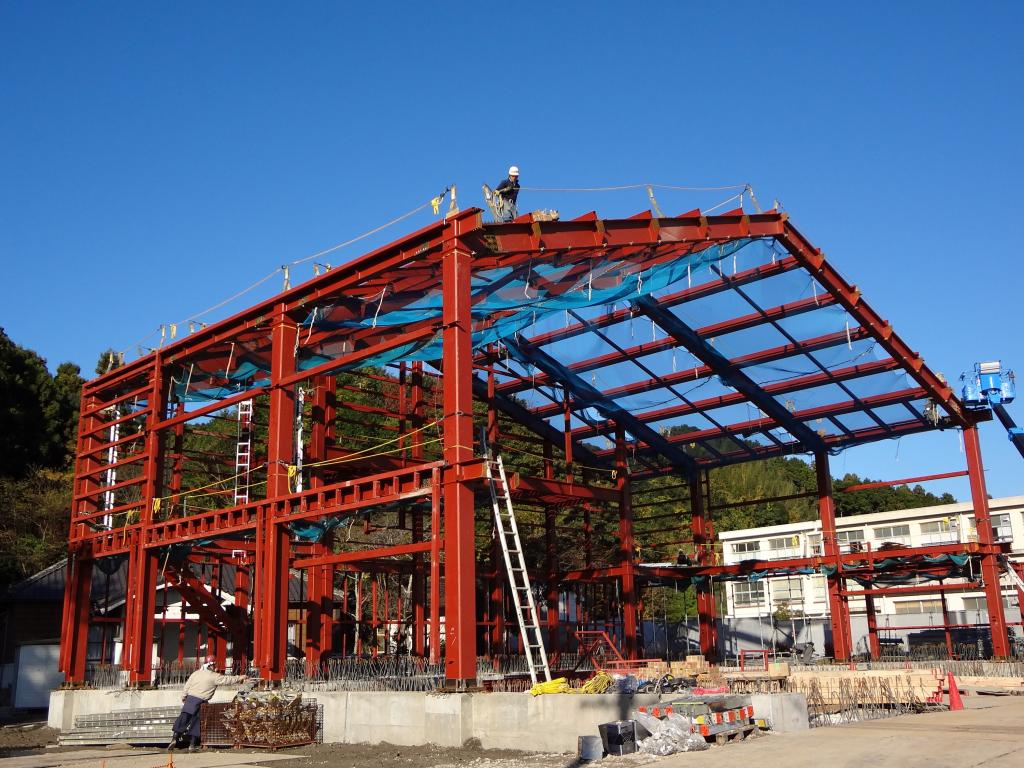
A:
548,723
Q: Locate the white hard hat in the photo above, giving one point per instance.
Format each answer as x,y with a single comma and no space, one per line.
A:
513,170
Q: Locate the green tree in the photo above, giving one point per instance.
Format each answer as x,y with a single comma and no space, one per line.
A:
38,412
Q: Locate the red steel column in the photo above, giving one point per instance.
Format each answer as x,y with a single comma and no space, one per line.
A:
497,596
874,648
989,562
419,582
551,558
243,590
78,583
320,578
459,545
435,567
837,601
143,562
270,618
706,610
75,639
627,546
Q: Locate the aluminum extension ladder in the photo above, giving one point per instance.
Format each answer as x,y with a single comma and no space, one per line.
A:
515,566
243,452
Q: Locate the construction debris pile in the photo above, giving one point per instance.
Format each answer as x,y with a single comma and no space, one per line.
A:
687,724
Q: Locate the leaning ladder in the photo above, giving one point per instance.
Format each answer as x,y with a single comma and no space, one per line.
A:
1014,576
522,593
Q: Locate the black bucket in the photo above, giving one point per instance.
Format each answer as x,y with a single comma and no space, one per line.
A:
619,737
589,748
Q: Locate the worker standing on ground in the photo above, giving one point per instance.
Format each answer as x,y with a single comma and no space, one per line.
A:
507,193
199,689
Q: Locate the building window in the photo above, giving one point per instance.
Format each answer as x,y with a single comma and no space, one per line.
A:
746,547
814,548
895,533
747,593
980,604
975,604
851,540
1001,530
788,590
938,531
787,546
818,588
917,606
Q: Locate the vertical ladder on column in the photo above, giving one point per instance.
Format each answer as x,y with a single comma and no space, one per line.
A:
243,452
515,566
110,497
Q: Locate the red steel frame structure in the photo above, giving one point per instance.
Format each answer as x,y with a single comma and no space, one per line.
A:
141,519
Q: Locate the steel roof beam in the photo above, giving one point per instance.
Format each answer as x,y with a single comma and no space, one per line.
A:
594,397
751,320
727,371
670,300
738,398
538,425
761,357
820,412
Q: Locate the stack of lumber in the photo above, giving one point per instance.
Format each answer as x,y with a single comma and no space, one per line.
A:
694,666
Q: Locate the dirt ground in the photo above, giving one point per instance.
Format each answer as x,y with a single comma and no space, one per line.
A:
21,736
34,738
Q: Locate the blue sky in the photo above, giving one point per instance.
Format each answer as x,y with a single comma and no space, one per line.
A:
158,157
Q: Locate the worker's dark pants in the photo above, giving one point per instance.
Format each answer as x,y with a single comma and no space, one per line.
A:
188,720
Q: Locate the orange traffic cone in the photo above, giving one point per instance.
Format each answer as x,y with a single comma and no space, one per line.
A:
955,702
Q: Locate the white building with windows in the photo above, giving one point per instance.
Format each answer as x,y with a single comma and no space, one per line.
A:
805,597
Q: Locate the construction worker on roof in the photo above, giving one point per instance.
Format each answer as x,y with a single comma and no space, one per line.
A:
506,194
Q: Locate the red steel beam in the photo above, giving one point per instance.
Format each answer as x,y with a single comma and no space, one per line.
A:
361,555
709,288
917,589
765,423
902,481
762,357
670,342
738,398
849,296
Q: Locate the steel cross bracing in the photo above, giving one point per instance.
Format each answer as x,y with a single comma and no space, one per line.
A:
429,291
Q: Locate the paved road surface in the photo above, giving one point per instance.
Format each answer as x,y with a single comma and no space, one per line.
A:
989,733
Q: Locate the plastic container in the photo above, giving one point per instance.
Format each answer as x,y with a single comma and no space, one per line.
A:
589,748
618,737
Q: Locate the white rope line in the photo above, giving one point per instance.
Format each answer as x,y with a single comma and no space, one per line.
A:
724,202
635,186
228,300
195,316
363,236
